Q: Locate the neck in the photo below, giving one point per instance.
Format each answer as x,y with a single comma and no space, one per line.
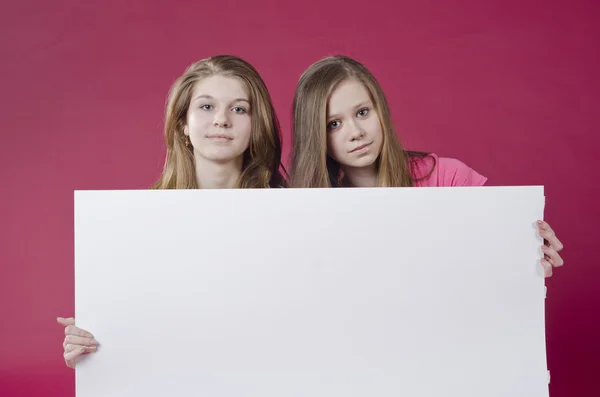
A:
218,175
361,177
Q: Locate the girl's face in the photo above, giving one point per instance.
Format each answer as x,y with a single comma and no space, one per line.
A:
218,122
354,135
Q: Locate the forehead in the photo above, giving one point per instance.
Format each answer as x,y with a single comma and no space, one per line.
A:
346,95
221,87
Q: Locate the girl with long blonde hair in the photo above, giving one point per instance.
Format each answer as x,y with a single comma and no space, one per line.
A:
343,136
221,131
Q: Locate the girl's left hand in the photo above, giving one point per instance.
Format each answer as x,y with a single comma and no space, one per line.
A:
552,246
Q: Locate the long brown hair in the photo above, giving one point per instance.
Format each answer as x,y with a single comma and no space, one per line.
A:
262,166
310,164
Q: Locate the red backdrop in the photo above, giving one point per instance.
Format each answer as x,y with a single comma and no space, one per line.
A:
511,88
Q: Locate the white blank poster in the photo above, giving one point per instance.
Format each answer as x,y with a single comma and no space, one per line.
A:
311,292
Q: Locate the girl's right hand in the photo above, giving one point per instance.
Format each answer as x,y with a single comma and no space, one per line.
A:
77,341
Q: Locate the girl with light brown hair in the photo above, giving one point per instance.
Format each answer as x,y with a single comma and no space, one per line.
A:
221,131
343,136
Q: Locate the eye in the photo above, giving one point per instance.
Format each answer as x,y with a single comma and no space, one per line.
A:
238,109
206,107
363,112
333,124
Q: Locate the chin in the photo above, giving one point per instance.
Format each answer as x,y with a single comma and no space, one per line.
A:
363,162
220,155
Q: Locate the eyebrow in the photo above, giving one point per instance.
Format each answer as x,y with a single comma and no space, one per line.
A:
210,97
360,105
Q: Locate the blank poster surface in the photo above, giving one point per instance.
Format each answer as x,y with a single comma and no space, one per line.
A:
311,292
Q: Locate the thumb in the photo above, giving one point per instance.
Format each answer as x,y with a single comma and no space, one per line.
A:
65,321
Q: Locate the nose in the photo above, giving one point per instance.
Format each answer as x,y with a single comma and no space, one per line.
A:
356,131
221,119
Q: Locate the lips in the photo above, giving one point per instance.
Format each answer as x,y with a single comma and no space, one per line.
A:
219,137
356,149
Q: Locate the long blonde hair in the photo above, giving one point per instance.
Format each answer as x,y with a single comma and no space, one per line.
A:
262,166
310,164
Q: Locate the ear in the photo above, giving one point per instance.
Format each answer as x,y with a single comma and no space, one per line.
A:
186,131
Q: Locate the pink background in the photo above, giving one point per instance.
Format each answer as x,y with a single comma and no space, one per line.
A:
511,88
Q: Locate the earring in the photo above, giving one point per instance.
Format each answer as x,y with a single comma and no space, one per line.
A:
187,141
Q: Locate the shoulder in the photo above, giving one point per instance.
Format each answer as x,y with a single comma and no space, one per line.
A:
433,171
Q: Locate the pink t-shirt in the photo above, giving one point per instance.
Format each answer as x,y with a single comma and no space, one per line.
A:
447,172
